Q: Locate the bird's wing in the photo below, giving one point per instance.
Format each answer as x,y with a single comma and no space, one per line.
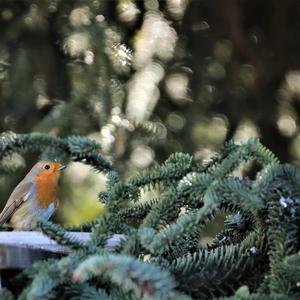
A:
21,193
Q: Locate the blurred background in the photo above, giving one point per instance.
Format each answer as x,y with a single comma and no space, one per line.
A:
145,79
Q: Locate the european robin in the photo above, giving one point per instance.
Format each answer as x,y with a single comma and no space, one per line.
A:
34,197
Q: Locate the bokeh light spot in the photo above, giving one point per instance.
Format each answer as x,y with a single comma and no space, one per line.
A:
287,125
142,156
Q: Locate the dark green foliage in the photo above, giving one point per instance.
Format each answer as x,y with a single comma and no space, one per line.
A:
57,233
160,254
75,147
6,295
203,275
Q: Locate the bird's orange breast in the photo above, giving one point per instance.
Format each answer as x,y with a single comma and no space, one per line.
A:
46,189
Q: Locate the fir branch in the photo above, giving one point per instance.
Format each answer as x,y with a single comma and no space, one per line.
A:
59,234
49,275
86,150
165,210
258,247
257,296
193,187
283,234
237,228
212,162
130,245
42,286
201,273
253,149
158,242
19,143
129,274
175,167
138,211
279,187
120,195
85,291
112,179
230,190
106,226
78,148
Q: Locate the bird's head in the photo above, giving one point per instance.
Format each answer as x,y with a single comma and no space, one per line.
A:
46,170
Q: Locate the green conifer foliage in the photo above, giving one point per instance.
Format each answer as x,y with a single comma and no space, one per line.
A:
158,252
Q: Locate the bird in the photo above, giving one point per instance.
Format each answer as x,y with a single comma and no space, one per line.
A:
36,196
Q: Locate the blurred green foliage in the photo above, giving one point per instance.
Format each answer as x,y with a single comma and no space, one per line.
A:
147,78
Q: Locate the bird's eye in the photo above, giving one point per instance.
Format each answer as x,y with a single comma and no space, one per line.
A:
47,167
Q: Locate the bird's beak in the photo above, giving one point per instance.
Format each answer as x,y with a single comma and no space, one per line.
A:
62,167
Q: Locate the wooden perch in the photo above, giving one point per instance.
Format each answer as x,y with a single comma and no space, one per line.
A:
19,249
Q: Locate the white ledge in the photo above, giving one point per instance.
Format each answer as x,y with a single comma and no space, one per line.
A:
19,249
